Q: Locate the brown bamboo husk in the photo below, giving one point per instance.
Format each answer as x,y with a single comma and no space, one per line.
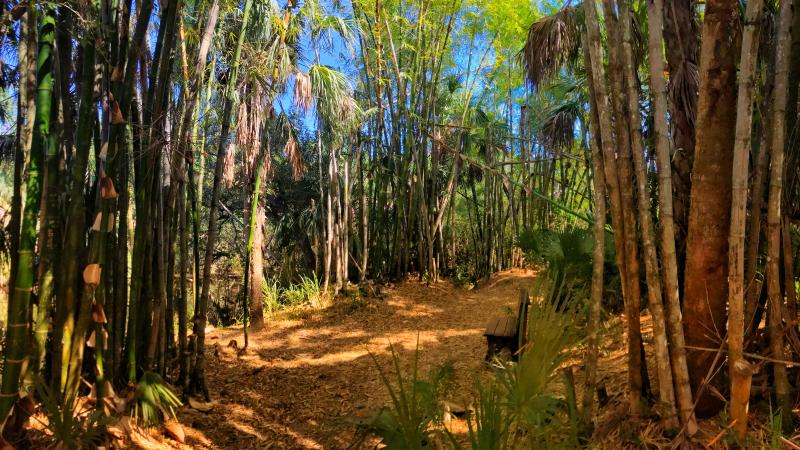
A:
91,275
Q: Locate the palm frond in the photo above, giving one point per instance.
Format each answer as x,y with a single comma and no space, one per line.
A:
295,157
552,42
229,171
558,129
303,97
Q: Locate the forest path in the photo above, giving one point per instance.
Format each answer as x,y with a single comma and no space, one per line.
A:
305,383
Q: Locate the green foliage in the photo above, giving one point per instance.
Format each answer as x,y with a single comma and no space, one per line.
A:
155,401
409,422
567,259
272,295
306,293
489,428
71,427
775,430
517,409
525,385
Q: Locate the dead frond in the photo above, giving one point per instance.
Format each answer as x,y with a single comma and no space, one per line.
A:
229,167
552,42
295,157
303,96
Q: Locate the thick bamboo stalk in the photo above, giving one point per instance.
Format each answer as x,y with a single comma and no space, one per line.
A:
674,320
740,374
615,195
782,51
654,287
19,301
598,256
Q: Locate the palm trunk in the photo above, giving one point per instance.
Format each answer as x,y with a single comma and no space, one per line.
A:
681,45
251,235
706,273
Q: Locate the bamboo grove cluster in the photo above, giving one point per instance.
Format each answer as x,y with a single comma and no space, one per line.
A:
146,175
691,158
138,124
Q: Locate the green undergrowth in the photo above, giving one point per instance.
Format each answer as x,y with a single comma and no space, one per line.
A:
517,406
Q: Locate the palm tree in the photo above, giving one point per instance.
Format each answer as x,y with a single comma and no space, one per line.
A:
706,273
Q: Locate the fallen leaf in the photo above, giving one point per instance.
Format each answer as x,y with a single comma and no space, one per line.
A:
174,430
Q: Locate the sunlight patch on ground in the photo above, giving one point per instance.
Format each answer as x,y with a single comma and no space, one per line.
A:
302,383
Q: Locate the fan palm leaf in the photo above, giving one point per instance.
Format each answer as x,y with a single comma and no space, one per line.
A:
552,42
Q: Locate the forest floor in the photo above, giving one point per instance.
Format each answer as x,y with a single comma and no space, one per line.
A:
308,381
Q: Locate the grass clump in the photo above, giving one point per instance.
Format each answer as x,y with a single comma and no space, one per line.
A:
307,293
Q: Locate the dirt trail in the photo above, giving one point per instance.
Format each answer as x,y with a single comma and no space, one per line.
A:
303,382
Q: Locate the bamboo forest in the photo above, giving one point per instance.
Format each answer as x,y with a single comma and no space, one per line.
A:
399,224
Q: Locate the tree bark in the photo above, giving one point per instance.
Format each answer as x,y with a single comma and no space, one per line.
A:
198,381
774,216
706,276
674,318
741,373
654,289
17,331
598,255
612,180
681,44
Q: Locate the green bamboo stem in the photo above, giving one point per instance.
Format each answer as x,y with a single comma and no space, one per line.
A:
19,302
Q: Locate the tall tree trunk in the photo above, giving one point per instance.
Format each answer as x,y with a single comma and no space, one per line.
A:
612,181
774,215
254,227
198,381
740,370
598,256
654,289
681,45
674,318
706,276
17,331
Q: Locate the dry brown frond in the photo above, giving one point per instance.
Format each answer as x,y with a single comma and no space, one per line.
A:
684,81
229,165
295,157
552,42
558,130
302,91
250,124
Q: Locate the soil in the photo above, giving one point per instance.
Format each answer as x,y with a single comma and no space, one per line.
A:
307,382
311,378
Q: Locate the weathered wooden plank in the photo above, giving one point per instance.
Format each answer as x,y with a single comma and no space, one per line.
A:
490,329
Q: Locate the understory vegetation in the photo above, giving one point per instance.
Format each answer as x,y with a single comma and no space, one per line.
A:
174,170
